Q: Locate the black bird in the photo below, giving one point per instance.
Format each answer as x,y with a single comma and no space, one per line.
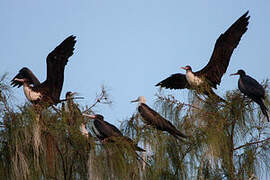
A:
48,92
252,89
152,118
106,131
210,76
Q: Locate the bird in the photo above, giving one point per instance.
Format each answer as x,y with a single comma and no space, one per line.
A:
252,89
210,76
48,92
106,131
75,114
152,118
72,108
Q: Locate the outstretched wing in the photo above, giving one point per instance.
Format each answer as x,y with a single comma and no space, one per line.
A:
224,47
56,62
27,74
175,81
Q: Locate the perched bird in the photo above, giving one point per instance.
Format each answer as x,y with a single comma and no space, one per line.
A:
210,76
106,131
152,118
48,92
252,89
72,108
75,114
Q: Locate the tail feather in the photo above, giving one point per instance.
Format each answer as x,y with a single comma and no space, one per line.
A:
264,109
179,134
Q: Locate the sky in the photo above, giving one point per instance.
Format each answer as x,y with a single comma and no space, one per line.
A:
128,46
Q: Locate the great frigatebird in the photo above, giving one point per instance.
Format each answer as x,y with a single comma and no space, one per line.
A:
48,92
210,76
74,114
252,89
152,118
72,108
106,131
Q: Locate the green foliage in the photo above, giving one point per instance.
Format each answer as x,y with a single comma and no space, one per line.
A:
225,141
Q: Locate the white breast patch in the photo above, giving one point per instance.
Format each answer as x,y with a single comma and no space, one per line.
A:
30,94
192,79
84,130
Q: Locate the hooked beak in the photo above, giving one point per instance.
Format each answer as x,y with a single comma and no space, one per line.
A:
234,74
134,101
183,68
90,116
19,80
74,96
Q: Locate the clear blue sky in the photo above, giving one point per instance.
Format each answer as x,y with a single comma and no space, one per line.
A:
129,45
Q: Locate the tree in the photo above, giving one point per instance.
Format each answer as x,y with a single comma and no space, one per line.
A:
226,141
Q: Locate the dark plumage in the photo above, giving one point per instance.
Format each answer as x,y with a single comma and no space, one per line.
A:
252,89
72,108
152,118
105,130
210,76
49,91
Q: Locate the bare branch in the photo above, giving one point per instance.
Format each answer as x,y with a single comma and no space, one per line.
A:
101,98
248,144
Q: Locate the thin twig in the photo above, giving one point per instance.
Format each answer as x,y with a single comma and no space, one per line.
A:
248,144
101,96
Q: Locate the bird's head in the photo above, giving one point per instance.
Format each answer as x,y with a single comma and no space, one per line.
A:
239,72
70,94
187,68
140,99
99,117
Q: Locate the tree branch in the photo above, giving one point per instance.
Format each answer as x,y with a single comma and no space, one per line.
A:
248,144
101,98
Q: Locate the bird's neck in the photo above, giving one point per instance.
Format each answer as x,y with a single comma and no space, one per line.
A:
242,75
30,94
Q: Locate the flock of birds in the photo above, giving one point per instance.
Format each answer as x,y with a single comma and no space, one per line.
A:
47,93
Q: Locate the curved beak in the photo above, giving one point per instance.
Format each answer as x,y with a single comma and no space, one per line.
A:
90,116
19,80
234,74
75,94
137,100
183,68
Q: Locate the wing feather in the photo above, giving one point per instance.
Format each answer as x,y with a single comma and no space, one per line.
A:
25,73
175,81
224,47
251,87
56,62
106,129
151,117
